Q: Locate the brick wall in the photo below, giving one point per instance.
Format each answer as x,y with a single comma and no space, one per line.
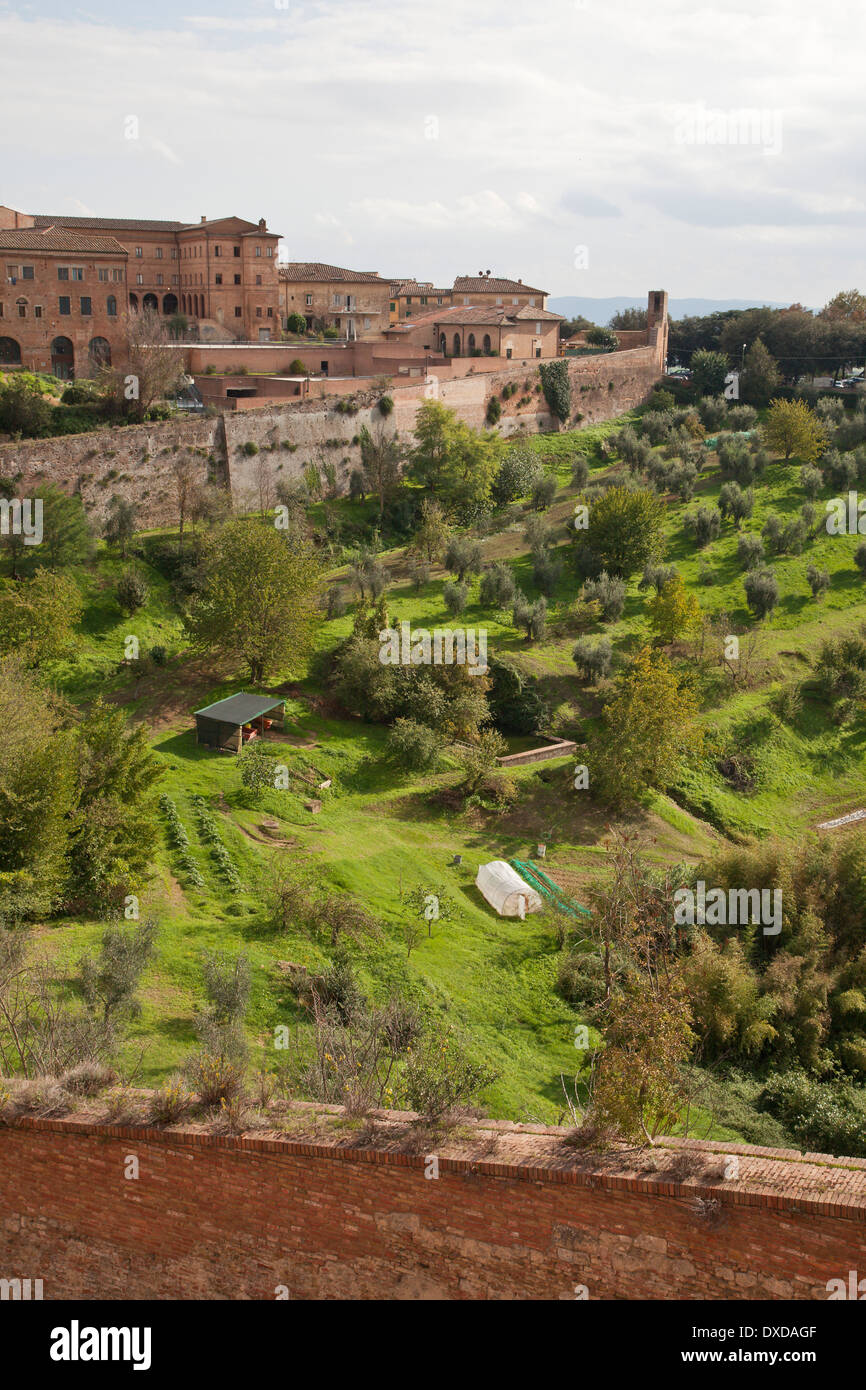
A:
332,1213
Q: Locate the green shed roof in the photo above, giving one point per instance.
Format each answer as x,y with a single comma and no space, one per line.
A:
240,709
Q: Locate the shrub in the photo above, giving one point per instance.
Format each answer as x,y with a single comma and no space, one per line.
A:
556,385
543,492
413,745
657,576
335,605
419,573
736,503
439,1077
516,476
169,1103
463,556
750,549
703,525
713,412
532,617
386,405
455,597
818,580
742,417
579,471
131,591
494,410
214,1079
762,591
812,481
546,571
609,592
497,586
249,448
297,368
593,657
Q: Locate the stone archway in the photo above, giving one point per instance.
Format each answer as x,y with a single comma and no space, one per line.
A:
150,301
10,352
169,304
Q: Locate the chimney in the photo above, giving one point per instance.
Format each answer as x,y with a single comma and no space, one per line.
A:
520,282
203,218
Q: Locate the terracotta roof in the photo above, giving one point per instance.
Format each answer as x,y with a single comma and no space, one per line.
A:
301,272
543,315
482,284
58,239
122,224
412,287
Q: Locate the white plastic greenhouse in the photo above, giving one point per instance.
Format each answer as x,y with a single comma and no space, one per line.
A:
506,891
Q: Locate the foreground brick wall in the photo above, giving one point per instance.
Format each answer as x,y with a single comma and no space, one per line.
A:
513,1214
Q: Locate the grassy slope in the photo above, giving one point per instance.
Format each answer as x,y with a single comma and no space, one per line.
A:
377,831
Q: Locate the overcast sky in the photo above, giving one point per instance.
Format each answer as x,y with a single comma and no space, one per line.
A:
562,141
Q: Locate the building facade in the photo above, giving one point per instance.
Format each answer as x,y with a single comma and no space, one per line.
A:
409,298
354,302
63,301
483,331
484,289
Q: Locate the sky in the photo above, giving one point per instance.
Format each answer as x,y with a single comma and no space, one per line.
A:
589,147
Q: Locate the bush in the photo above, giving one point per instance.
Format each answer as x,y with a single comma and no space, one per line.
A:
386,406
439,1077
214,1079
812,481
818,580
546,571
736,503
593,657
860,558
532,617
822,1116
543,492
703,525
170,1103
516,476
609,592
494,410
742,417
131,591
335,605
455,597
657,576
297,368
419,573
762,591
579,471
750,549
337,990
713,412
497,586
413,745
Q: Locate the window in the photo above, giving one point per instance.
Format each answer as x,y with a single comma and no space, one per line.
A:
258,250
532,302
237,279
111,307
466,299
258,313
159,279
174,253
270,313
22,308
270,251
258,279
138,251
236,250
37,312
308,298
538,328
27,272
85,305
65,303
76,272
393,305
514,299
1,311
237,311
117,276
139,279
102,275
175,279
217,250
63,272
499,299
423,299
218,279
158,253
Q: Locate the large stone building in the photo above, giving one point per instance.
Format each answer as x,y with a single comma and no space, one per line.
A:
480,330
220,274
488,290
62,301
354,302
410,298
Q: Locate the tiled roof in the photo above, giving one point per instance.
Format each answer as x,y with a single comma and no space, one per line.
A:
58,239
302,272
121,224
413,287
543,315
482,284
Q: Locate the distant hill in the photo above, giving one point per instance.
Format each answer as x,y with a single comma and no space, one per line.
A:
600,310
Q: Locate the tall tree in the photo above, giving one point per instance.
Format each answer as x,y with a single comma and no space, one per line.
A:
257,603
381,460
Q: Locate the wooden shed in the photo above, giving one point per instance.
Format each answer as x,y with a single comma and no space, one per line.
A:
232,722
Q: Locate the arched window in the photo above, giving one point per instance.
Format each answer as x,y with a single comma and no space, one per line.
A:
487,344
111,307
62,359
21,305
456,345
151,302
471,342
10,352
443,345
169,304
133,302
100,353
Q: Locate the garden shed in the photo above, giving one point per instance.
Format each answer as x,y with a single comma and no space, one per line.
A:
506,891
229,724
